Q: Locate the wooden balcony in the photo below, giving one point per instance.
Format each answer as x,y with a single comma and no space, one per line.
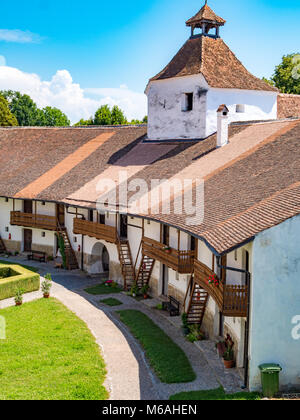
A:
95,230
231,300
38,221
180,261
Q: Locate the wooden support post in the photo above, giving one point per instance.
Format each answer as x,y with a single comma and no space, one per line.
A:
35,203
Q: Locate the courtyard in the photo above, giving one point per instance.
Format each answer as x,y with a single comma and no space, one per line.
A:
135,370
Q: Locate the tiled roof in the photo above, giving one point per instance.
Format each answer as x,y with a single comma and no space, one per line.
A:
206,14
212,58
250,185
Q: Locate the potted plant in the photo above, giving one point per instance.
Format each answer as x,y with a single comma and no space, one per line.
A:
145,290
213,280
228,355
167,249
134,291
228,358
196,334
19,297
46,286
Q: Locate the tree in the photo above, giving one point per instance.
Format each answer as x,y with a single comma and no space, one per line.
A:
287,74
103,116
83,122
138,122
7,119
117,116
23,107
52,117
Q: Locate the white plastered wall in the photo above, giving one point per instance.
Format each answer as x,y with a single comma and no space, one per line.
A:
258,105
166,120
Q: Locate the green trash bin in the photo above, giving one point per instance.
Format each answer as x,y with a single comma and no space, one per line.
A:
270,379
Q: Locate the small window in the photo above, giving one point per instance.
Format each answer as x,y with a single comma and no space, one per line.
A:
240,108
91,216
188,101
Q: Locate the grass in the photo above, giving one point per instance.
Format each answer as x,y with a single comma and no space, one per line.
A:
167,359
101,289
111,302
216,395
28,267
49,354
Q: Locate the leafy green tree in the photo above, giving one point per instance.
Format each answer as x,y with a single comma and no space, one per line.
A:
117,116
138,122
287,74
103,116
83,122
52,117
23,107
7,119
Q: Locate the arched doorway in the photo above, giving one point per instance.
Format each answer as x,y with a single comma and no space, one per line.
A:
99,259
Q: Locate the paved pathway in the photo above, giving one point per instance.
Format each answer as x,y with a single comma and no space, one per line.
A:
129,375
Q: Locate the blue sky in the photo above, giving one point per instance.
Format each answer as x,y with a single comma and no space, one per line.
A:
105,44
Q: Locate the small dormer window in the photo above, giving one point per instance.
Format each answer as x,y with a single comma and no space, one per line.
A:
188,102
240,108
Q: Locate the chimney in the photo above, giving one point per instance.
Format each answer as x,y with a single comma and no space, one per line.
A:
222,132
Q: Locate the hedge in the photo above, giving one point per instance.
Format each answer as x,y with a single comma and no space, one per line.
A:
18,278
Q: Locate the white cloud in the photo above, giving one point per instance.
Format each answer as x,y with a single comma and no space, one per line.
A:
63,93
15,35
2,60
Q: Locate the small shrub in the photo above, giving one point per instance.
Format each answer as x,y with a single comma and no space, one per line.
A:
17,277
46,285
191,338
19,296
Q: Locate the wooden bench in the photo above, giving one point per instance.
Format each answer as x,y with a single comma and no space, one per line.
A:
173,306
37,256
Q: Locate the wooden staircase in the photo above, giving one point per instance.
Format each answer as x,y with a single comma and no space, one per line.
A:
145,271
71,260
197,305
2,246
127,267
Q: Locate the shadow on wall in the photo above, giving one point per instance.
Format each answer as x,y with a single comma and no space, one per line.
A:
99,259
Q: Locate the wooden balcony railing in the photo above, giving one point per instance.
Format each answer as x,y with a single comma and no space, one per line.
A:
232,300
95,230
180,261
38,221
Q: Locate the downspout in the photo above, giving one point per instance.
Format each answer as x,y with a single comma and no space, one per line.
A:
247,332
82,236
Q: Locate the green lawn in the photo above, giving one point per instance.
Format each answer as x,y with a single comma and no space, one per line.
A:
215,394
166,358
101,289
28,267
111,302
49,354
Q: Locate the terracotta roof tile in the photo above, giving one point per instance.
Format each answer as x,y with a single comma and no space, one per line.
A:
251,184
216,62
206,14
